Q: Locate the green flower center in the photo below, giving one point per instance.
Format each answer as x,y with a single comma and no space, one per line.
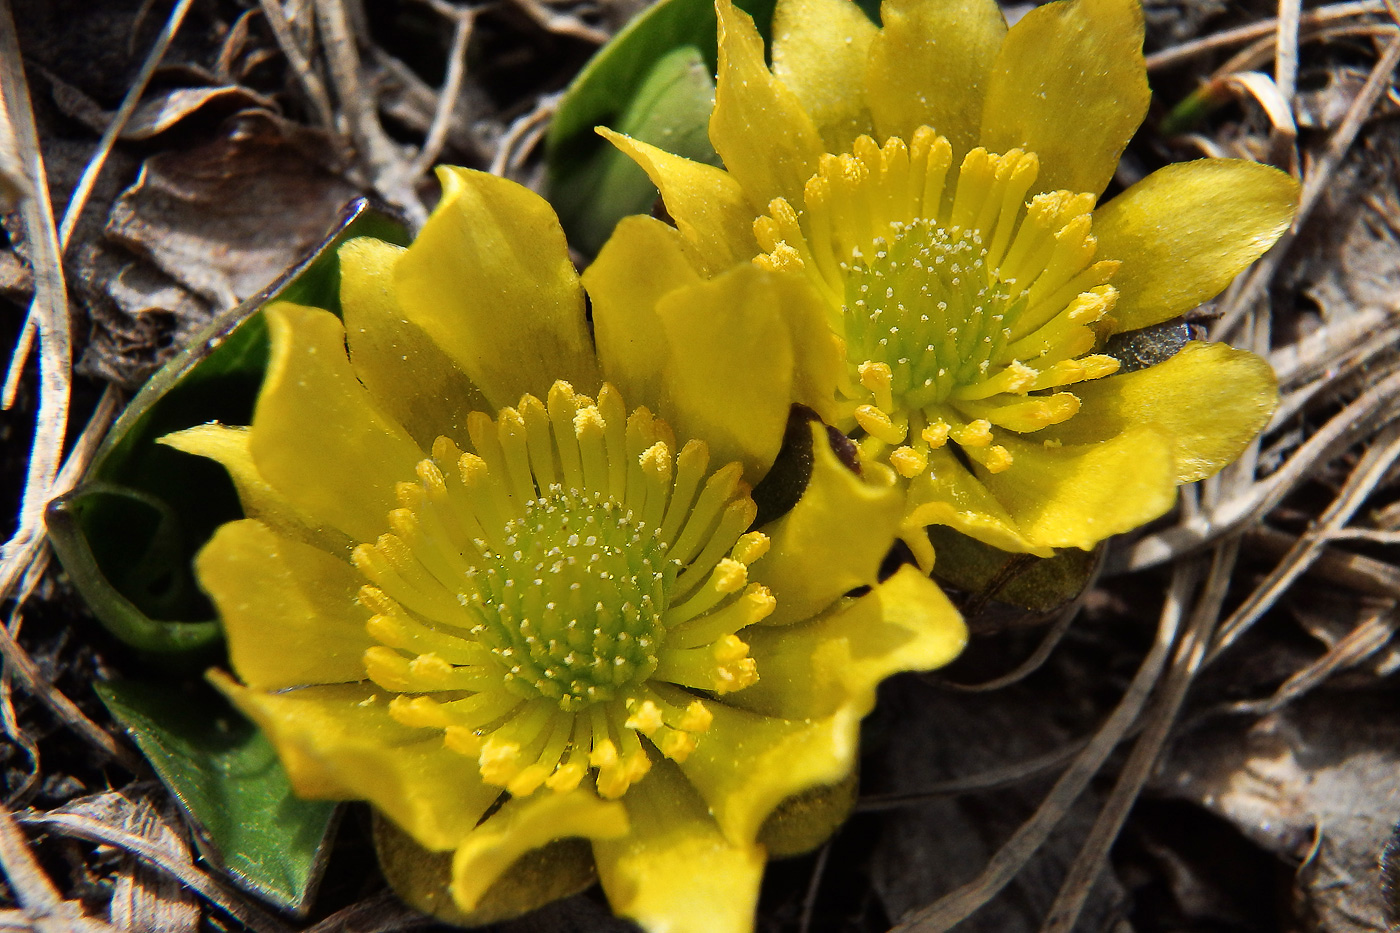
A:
964,307
923,305
575,610
564,593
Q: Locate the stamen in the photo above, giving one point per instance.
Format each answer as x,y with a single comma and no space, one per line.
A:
528,591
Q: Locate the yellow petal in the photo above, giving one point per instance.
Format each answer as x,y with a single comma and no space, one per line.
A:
340,742
527,823
1209,399
317,437
228,446
288,609
1076,496
947,494
640,264
706,203
832,541
675,871
1069,85
811,670
1183,232
930,66
746,763
729,375
767,141
490,280
408,374
820,49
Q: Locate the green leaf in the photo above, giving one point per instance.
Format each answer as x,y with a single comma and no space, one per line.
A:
227,777
645,82
671,110
128,533
985,572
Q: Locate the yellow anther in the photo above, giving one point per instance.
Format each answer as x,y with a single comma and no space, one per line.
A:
736,675
528,780
936,434
730,648
472,468
430,670
781,258
761,602
588,422
750,547
677,746
1092,305
430,475
566,778
878,378
729,576
646,719
878,424
462,740
908,461
973,434
499,761
1098,366
1019,377
387,668
604,754
419,713
697,718
997,459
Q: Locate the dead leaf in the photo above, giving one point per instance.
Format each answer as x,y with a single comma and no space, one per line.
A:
1317,783
224,219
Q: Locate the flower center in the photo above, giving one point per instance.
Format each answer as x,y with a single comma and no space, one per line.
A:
963,306
588,619
565,592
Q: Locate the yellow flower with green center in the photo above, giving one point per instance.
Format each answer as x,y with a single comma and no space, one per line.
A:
935,181
484,586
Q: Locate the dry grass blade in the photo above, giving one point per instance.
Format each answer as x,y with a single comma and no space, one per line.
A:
524,134
1064,912
1314,185
1177,55
1037,657
1005,776
78,200
42,905
1359,644
310,81
1364,479
79,827
948,911
49,309
1356,572
462,21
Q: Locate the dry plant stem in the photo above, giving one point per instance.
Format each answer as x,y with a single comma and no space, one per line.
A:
1356,572
387,170
809,901
80,827
1168,58
301,66
1038,657
524,133
1359,485
1363,416
1368,330
447,98
953,908
86,181
1359,644
1089,862
993,779
49,310
41,903
1286,47
1314,184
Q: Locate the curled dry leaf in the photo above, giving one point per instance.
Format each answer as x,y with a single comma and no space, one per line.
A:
202,229
1317,783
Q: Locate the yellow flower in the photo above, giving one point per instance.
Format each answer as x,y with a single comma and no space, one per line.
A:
553,621
935,181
